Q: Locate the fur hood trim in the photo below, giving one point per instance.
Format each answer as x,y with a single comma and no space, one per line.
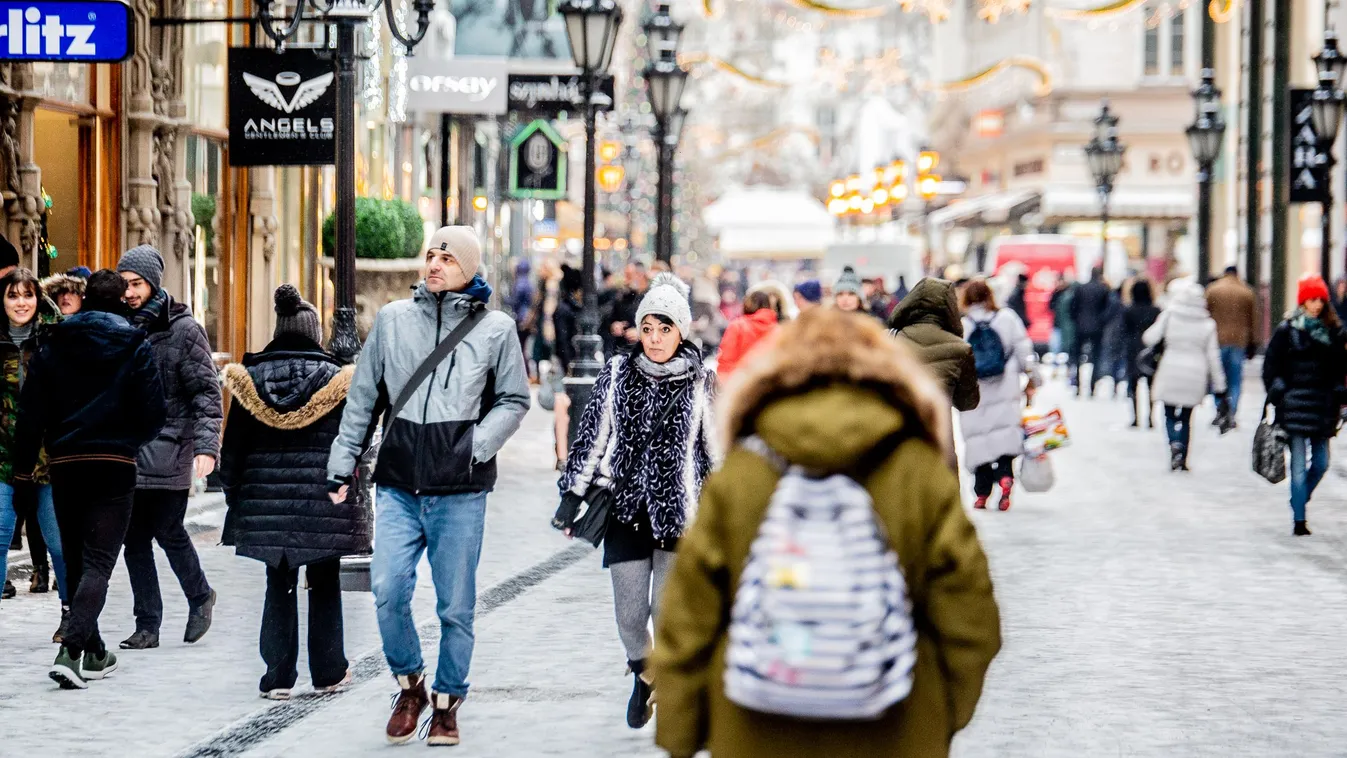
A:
827,345
59,284
240,385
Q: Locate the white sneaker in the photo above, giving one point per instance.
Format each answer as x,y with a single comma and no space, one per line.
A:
338,687
280,693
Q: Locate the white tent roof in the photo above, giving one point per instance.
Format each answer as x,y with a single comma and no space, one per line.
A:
759,222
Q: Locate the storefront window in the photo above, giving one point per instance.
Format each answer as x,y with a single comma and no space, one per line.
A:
67,82
206,50
204,164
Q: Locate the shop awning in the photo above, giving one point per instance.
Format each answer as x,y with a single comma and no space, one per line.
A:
761,222
1124,203
993,208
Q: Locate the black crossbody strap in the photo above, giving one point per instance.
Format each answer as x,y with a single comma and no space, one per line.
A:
654,431
435,358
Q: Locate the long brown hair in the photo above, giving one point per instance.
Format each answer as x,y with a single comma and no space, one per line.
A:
978,292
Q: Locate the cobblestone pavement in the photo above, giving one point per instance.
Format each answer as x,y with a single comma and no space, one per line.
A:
1145,614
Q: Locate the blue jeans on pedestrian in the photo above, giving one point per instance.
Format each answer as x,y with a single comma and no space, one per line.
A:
46,521
1305,478
1232,362
448,528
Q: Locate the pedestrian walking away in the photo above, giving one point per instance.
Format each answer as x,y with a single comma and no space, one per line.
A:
1139,316
93,397
647,436
840,400
286,411
1304,372
186,450
992,432
1089,314
745,332
28,318
1234,308
436,464
1191,362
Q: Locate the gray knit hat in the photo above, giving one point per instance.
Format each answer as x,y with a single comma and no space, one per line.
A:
145,262
847,282
294,315
462,243
668,296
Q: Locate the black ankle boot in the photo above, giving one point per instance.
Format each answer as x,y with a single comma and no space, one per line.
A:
640,707
1178,457
1302,529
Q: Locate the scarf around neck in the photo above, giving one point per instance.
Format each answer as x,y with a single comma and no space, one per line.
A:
151,310
18,334
1312,326
676,366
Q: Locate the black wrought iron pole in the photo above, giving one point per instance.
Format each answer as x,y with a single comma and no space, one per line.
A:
1204,223
1326,222
664,191
584,370
345,343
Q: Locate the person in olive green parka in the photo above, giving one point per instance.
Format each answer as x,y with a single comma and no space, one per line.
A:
831,391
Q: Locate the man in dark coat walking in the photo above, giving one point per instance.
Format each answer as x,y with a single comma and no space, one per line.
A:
187,448
1090,310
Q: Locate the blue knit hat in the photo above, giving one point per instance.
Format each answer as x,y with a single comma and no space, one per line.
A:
810,290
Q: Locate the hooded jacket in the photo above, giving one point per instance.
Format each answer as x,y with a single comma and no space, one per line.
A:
446,438
741,336
928,321
286,411
93,392
14,369
1191,365
830,402
1090,307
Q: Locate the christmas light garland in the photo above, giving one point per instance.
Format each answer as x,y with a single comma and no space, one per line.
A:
726,66
1026,62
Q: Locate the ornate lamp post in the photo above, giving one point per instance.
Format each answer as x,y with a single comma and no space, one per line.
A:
1205,137
1104,154
1326,114
665,80
591,27
346,15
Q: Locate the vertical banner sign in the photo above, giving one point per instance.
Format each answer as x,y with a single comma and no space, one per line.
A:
282,108
538,163
88,31
1309,166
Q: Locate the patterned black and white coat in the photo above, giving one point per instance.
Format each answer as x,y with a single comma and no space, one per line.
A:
614,436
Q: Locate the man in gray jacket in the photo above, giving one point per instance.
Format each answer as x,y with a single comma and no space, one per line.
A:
436,464
187,447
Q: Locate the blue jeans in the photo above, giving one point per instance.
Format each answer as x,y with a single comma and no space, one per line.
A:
1178,424
1304,479
46,521
1232,362
448,528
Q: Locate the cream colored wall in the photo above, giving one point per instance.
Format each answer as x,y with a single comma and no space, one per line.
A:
56,151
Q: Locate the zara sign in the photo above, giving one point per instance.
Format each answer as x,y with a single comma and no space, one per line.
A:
461,86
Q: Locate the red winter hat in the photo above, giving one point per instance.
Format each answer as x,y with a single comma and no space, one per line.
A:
1312,287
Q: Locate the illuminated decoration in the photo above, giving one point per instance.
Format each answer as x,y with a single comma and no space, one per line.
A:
898,193
927,160
729,68
1107,10
1026,62
936,10
928,186
610,178
1222,11
766,140
989,124
872,74
880,196
837,189
991,11
609,150
838,206
479,202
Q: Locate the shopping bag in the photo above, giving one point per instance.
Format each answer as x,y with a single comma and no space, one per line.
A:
1044,432
1036,473
1269,450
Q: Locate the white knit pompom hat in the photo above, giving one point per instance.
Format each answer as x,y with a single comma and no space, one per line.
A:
668,296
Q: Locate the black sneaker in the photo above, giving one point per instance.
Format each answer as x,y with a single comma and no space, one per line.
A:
9,591
641,705
198,621
65,671
143,639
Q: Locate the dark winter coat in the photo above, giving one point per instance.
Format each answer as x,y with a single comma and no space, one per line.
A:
566,325
1062,321
1017,303
1136,319
928,321
1304,380
14,362
1090,307
93,391
192,394
286,412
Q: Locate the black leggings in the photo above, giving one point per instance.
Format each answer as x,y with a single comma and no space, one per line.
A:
1133,389
988,474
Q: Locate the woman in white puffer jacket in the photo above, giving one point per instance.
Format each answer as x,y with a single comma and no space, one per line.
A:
1190,366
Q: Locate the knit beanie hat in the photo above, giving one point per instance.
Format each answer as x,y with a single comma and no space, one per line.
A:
848,282
810,290
145,262
1312,287
296,316
668,297
82,272
460,242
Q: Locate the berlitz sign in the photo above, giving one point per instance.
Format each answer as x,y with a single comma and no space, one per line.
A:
282,108
552,94
89,31
462,86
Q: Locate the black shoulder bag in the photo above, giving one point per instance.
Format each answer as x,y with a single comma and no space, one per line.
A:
591,523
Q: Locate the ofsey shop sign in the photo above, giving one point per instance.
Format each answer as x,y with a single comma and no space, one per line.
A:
79,32
282,108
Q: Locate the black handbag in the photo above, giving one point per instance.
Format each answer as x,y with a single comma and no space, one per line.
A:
587,517
1269,450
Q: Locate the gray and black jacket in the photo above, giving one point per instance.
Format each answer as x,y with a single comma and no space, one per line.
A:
446,438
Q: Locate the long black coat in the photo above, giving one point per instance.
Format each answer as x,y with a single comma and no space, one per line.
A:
287,406
1304,380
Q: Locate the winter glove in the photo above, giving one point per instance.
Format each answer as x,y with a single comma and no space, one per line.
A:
566,512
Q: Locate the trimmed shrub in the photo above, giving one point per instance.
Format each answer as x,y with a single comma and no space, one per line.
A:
412,225
379,230
203,210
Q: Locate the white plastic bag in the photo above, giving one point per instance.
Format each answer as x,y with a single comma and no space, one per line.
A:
1036,473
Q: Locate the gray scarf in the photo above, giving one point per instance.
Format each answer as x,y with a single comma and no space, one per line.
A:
675,366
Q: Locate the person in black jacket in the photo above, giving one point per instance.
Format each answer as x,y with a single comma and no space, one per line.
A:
1136,319
1016,301
92,399
1304,370
1090,311
287,406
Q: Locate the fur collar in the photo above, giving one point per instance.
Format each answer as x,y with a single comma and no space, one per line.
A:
240,385
824,346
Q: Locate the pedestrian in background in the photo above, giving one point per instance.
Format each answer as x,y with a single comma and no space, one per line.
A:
647,434
184,451
834,395
1191,363
565,325
1016,301
1090,314
93,397
878,300
620,326
1304,371
66,290
1063,340
744,333
782,299
1138,316
1233,307
993,432
286,411
522,298
808,295
847,292
436,464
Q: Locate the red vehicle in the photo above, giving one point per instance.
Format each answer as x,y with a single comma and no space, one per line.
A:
1044,258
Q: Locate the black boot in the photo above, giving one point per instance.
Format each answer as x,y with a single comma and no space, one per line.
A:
59,637
8,591
40,583
641,705
1301,530
1178,457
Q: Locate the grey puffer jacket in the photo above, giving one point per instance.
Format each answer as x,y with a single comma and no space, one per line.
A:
446,438
192,395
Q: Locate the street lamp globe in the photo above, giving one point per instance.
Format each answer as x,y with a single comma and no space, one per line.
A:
1330,62
1207,131
591,28
1326,110
662,33
665,80
1104,153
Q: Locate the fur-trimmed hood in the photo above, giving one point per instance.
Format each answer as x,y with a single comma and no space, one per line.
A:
59,284
243,387
828,387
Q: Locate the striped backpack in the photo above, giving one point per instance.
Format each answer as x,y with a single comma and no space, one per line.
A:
821,627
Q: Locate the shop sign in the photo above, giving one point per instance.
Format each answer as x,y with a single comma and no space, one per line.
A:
1309,166
461,86
538,163
550,95
989,124
282,108
89,31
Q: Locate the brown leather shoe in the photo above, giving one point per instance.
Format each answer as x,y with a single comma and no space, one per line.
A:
407,707
444,719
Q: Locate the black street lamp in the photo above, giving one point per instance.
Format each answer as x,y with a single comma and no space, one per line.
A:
346,15
665,79
1205,137
591,28
1104,154
1326,114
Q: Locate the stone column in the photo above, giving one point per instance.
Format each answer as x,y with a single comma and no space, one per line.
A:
146,79
262,251
23,194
